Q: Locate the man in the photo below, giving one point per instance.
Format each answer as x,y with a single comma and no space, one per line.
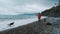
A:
39,16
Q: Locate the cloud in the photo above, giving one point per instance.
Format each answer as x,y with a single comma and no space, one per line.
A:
13,7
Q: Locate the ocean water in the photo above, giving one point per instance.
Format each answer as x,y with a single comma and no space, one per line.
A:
18,20
15,17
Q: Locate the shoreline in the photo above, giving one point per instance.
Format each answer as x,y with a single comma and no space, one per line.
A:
4,25
31,28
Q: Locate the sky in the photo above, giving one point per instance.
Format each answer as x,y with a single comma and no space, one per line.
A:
13,7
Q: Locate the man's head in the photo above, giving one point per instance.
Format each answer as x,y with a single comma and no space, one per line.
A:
38,13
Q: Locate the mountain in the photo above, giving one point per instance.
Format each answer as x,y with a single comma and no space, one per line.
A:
21,14
52,12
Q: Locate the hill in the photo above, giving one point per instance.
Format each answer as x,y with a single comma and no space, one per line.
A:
52,12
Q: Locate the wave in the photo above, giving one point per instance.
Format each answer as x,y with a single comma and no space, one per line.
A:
19,16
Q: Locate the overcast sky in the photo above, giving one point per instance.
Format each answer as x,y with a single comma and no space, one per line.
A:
24,6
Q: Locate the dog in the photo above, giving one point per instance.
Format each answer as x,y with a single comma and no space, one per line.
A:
48,23
11,24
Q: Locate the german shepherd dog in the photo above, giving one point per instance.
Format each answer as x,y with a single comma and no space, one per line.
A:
48,23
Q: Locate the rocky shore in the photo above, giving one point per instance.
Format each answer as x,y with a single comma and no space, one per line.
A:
32,28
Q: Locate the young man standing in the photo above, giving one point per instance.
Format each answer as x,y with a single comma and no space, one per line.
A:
39,16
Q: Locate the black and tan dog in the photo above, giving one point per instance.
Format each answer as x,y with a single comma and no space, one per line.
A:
48,23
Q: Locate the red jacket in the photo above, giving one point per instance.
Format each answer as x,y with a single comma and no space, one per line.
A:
39,15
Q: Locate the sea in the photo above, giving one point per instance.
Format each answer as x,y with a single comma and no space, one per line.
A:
19,20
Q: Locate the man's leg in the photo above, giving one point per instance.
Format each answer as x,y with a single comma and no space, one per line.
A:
39,20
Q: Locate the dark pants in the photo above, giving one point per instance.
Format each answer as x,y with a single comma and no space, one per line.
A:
39,20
